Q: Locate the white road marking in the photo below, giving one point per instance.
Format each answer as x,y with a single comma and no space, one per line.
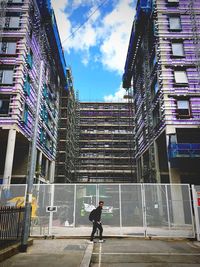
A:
193,245
148,253
99,254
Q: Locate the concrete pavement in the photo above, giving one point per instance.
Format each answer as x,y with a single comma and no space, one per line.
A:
53,253
115,252
146,253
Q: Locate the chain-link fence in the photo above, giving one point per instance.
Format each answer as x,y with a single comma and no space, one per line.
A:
129,209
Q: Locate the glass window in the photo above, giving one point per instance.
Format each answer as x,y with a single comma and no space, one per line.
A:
173,1
156,115
8,47
25,114
11,48
6,77
178,49
4,106
175,23
180,77
156,88
183,107
27,86
15,1
12,22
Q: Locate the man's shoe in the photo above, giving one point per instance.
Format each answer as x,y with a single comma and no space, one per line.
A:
90,242
101,241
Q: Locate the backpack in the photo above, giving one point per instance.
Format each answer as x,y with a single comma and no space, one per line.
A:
92,215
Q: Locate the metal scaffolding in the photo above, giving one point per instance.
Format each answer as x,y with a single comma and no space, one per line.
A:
65,171
106,142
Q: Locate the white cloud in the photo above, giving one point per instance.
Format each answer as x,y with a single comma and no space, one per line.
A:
117,97
118,25
63,23
111,33
59,4
79,38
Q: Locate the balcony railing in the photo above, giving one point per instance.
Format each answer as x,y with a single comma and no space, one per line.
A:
184,150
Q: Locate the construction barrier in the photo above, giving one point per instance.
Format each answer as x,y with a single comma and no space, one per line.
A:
163,210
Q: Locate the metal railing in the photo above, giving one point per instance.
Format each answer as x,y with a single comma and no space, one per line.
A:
11,225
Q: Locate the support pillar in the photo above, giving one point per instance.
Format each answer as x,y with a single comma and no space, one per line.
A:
47,169
175,181
51,171
40,160
157,168
9,156
177,196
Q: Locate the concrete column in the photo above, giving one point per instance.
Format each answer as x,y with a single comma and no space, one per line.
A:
9,156
51,171
47,169
176,189
177,196
40,160
157,169
139,169
142,169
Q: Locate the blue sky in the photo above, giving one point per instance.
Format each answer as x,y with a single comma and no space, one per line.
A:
95,36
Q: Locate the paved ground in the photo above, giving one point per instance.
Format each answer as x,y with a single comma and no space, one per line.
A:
146,253
50,253
115,252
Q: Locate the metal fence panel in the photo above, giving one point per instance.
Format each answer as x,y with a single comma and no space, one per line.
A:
129,209
168,210
43,194
132,210
12,195
63,200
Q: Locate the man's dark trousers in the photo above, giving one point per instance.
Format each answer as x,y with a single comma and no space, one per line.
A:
96,226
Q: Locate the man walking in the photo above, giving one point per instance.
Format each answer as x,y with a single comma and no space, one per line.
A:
96,220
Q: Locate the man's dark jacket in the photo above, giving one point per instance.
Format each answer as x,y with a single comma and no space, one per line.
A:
97,214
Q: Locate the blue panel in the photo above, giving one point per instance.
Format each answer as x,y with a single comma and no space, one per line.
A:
144,6
184,150
53,35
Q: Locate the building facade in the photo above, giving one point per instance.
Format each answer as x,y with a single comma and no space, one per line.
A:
162,70
32,72
67,149
106,143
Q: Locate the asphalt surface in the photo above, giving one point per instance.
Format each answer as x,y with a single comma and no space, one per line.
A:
114,252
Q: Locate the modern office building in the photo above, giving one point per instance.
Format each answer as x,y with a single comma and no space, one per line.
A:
106,143
32,72
163,70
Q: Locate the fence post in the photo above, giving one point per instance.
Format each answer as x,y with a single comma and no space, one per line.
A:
19,215
196,214
144,209
120,208
74,215
167,200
